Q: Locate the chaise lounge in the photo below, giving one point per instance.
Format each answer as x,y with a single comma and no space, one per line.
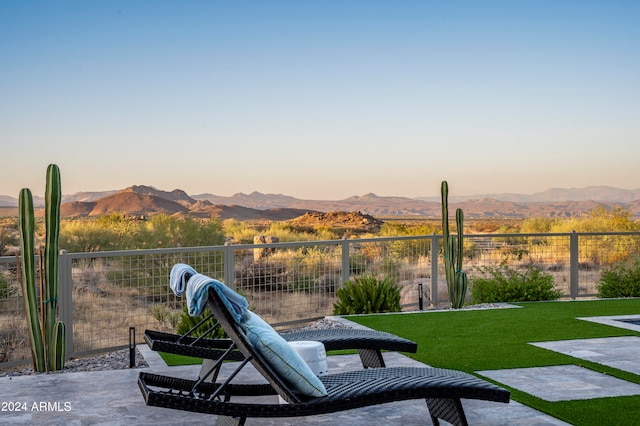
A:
306,394
368,343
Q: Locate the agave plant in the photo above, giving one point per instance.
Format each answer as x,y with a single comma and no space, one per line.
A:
46,333
457,281
367,294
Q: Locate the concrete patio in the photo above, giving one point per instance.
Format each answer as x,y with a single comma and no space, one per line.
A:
113,398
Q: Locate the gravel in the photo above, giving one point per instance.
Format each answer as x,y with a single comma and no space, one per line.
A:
118,360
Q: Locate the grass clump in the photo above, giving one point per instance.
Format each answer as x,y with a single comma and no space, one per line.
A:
366,295
503,284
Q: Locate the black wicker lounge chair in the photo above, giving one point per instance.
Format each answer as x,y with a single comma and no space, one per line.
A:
442,389
369,343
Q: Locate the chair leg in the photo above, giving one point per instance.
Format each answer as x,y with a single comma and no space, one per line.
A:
371,358
206,366
447,409
230,421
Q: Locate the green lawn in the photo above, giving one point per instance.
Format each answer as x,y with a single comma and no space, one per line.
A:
473,340
172,359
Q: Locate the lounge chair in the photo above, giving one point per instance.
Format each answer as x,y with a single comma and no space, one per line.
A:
369,343
294,382
185,279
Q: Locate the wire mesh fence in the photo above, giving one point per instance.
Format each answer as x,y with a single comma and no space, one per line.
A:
103,294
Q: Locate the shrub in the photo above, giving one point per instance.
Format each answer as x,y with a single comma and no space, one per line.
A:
6,291
620,280
367,295
357,263
187,322
164,315
508,285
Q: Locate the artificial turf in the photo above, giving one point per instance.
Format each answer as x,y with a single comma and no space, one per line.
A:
493,339
173,360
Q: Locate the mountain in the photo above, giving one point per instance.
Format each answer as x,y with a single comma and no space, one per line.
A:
139,200
126,202
605,194
86,196
254,200
6,201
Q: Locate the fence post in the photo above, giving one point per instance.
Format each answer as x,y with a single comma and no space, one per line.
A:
345,261
433,297
229,265
65,299
573,264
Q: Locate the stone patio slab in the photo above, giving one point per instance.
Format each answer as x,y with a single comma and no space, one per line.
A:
618,352
563,382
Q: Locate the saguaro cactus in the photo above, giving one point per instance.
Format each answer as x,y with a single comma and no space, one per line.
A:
457,281
46,333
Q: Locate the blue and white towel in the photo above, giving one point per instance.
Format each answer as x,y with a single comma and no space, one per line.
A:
180,274
197,293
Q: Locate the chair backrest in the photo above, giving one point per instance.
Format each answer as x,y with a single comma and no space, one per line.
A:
238,336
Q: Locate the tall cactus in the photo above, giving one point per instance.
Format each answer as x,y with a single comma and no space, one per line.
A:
27,240
46,333
456,278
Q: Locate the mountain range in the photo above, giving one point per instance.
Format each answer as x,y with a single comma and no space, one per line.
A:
141,200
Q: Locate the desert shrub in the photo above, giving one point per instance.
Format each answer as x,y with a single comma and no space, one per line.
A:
620,280
287,233
599,219
166,231
367,295
164,316
187,322
603,249
508,285
116,232
6,291
357,263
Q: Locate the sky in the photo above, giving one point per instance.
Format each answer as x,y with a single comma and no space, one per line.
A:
320,99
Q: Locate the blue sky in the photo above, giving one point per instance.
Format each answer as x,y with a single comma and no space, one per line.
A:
320,99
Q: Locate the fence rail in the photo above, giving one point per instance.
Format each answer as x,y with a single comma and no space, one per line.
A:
103,294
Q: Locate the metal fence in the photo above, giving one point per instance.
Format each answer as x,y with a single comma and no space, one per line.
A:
103,294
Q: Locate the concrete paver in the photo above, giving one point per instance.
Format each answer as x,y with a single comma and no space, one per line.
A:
113,398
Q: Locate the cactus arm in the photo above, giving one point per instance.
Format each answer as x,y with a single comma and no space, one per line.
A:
446,241
53,196
27,243
461,283
58,346
460,226
444,190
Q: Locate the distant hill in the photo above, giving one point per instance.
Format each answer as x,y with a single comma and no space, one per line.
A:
126,202
141,200
137,201
604,194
